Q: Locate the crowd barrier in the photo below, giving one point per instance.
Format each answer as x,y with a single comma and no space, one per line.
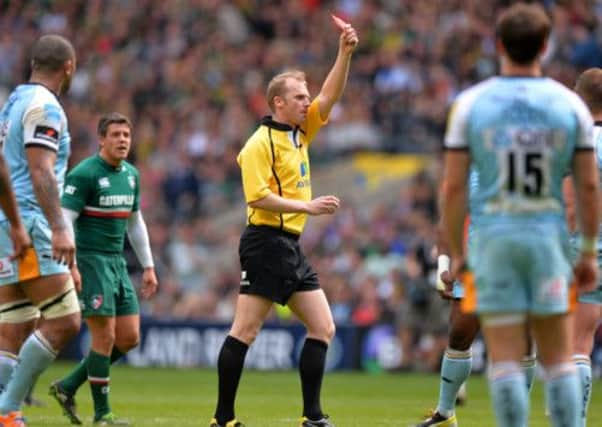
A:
196,344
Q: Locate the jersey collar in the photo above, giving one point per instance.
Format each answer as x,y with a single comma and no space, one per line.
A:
271,123
109,166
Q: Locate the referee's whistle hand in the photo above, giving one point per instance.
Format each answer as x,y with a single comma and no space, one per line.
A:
323,205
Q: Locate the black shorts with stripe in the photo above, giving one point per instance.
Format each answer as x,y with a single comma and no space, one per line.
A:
273,265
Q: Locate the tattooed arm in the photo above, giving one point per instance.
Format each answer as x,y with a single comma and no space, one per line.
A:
45,186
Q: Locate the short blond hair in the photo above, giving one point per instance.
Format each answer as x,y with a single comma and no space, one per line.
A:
589,88
277,86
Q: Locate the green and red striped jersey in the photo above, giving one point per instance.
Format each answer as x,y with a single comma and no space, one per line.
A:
104,196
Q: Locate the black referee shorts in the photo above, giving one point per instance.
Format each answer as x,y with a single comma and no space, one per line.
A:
273,265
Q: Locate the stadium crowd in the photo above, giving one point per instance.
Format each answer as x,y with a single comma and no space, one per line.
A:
192,74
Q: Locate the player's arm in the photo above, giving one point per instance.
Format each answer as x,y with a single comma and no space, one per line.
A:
19,235
334,84
138,237
256,167
444,277
587,197
568,193
70,218
454,201
41,162
318,206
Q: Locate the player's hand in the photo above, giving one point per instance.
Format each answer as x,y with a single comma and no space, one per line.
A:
445,285
63,247
21,241
77,278
149,282
458,266
586,273
349,39
323,205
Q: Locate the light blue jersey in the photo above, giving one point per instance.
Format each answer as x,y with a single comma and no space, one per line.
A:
521,134
32,116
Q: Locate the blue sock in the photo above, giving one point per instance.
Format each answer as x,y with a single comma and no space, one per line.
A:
455,369
35,356
584,373
508,388
563,395
8,362
528,365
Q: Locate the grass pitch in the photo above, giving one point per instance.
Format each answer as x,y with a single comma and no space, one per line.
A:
186,397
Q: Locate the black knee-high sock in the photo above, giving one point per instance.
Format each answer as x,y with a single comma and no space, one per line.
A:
229,368
311,369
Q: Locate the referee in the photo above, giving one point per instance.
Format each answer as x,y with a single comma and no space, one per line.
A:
276,180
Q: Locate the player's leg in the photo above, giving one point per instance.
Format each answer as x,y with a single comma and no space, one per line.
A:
54,295
585,321
455,366
505,337
528,362
311,307
251,311
17,321
94,270
102,333
550,277
563,394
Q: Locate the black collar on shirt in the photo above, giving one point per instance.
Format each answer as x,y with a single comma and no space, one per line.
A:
271,123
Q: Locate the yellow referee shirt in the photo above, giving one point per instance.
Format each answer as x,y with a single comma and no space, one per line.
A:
275,160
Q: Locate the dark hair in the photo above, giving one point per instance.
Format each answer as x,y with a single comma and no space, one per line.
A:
523,29
111,118
49,53
589,88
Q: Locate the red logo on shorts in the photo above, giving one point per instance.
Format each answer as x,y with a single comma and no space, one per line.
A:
96,301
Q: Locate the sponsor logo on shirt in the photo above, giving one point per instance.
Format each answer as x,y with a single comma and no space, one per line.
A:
46,133
116,200
132,181
70,189
104,182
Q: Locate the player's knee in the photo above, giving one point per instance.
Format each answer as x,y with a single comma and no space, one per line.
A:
330,330
103,340
59,331
460,341
245,333
323,332
128,341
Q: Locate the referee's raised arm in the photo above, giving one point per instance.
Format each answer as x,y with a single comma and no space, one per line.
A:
335,81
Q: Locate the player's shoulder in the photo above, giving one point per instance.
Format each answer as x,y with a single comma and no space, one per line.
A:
472,93
260,137
466,99
39,104
40,96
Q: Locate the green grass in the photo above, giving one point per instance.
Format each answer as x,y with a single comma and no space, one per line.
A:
179,398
